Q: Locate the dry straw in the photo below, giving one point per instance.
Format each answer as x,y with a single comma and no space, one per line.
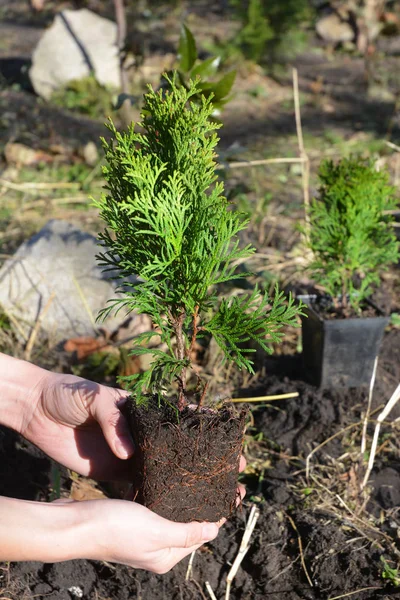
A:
244,547
395,397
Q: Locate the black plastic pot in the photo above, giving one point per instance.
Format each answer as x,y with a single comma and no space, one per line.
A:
339,352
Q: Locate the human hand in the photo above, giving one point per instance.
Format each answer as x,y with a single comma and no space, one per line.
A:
130,534
78,423
75,421
110,530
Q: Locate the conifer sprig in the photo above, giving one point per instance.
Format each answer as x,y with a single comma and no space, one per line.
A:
169,225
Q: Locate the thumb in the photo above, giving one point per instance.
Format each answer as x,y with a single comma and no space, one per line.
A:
186,535
112,422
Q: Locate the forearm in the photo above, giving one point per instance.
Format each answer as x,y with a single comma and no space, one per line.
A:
44,532
20,384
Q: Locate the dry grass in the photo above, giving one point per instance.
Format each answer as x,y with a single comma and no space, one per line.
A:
333,487
13,588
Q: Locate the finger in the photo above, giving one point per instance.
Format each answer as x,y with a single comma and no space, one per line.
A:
242,464
112,422
186,535
175,556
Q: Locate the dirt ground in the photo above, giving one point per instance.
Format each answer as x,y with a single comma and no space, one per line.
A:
341,553
317,537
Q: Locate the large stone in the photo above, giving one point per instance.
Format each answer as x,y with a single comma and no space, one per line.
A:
59,261
78,43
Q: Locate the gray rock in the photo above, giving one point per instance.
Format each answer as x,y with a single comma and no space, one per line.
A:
58,260
333,29
77,43
90,154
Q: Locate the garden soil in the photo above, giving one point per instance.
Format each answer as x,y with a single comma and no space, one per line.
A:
339,554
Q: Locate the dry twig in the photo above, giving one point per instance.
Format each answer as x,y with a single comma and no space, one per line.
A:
300,543
57,201
35,330
355,592
15,324
190,566
305,166
32,187
332,437
210,591
368,411
260,162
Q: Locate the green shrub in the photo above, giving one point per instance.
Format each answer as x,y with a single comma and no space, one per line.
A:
271,28
190,67
351,237
169,224
86,96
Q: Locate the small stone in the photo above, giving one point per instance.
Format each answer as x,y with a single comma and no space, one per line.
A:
90,154
331,28
19,154
73,578
380,93
76,591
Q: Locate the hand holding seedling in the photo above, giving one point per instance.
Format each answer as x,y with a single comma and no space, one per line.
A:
78,423
171,239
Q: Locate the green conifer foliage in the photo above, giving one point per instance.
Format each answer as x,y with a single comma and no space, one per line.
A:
352,238
169,224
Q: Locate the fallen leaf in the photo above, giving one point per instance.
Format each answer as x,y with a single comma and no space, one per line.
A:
85,489
84,346
23,155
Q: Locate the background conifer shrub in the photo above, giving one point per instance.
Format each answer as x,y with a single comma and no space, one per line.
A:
352,239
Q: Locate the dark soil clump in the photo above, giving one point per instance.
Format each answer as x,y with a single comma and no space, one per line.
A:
187,463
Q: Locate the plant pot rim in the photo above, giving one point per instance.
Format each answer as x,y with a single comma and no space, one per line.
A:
310,299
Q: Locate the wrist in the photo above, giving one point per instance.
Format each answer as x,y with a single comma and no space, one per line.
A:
96,517
57,531
21,385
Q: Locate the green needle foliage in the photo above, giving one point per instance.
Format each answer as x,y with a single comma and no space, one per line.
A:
169,225
352,238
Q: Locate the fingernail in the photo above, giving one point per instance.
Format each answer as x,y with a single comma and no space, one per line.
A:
124,446
209,531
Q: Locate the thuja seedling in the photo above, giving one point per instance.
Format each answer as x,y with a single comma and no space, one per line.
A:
170,226
351,236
